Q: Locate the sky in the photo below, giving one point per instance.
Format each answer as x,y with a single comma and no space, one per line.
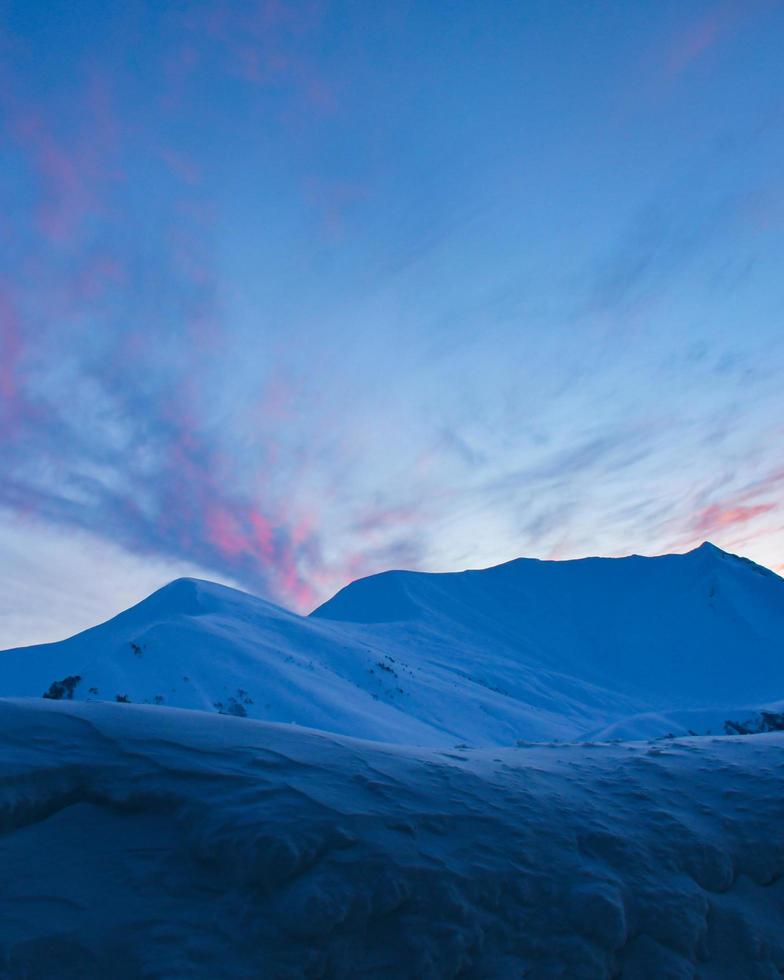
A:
295,292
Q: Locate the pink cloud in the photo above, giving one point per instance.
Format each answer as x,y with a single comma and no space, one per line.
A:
224,531
170,490
753,513
66,194
263,533
268,542
690,43
262,42
718,516
73,162
699,36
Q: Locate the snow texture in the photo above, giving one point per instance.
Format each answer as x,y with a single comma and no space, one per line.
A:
150,842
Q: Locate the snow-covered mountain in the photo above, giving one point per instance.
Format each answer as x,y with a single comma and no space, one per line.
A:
143,843
528,650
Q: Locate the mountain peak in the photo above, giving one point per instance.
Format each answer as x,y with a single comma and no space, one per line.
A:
185,595
192,597
709,548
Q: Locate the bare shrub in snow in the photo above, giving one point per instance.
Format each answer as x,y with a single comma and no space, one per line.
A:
63,689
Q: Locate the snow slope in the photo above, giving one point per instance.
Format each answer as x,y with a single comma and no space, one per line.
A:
144,842
675,628
195,644
528,650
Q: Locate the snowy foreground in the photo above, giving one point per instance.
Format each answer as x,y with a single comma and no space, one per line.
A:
154,842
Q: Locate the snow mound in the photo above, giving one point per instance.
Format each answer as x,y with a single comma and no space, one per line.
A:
530,650
146,842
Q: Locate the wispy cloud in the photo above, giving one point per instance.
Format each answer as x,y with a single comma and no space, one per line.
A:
700,34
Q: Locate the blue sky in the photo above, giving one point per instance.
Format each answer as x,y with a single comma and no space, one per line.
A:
296,292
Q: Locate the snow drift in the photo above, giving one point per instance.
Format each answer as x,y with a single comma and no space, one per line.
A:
149,842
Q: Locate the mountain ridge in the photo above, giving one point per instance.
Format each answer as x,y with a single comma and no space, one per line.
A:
529,649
